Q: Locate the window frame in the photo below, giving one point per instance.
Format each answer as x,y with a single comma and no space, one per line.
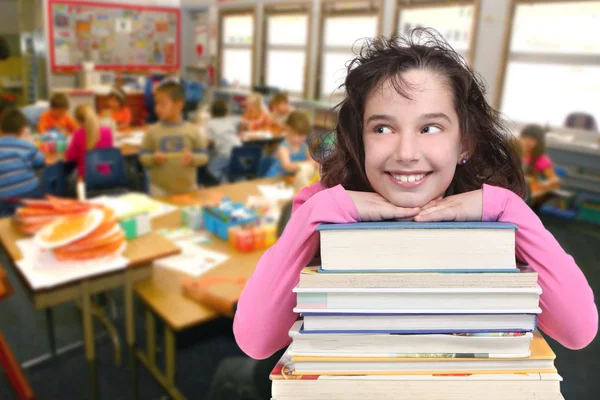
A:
547,58
279,9
230,12
424,4
329,8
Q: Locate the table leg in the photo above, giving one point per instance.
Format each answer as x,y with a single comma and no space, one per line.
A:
148,359
130,332
51,332
88,337
151,337
170,356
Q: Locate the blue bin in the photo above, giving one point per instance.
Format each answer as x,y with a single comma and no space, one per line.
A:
217,226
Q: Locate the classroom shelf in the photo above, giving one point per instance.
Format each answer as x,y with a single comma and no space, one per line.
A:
582,182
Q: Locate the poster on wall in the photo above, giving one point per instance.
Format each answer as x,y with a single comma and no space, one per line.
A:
113,36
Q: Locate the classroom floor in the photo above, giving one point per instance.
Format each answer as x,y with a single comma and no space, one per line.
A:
200,350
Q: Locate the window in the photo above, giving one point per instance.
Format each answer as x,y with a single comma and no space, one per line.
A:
237,43
286,33
553,64
453,22
345,26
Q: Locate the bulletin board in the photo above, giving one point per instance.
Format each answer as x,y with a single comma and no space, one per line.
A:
113,36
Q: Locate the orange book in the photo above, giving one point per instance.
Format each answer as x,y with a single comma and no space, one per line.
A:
219,293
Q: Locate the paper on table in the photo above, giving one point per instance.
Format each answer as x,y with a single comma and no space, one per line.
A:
193,259
42,270
134,203
277,192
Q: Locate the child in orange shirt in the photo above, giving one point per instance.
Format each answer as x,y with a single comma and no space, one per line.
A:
256,117
118,111
57,117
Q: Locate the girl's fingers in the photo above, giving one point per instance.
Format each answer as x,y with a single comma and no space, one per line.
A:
437,214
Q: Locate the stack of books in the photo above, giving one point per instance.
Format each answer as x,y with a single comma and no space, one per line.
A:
417,311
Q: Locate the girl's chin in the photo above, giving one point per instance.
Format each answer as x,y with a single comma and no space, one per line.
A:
409,200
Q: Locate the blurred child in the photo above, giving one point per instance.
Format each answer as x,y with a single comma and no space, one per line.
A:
90,136
18,156
255,118
221,132
293,152
57,116
119,113
172,149
280,109
537,166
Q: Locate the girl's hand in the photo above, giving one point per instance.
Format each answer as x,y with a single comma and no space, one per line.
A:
461,207
373,207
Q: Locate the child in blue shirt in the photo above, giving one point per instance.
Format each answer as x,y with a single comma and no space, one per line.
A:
18,157
293,151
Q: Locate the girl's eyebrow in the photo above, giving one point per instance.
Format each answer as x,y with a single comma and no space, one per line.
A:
381,117
435,116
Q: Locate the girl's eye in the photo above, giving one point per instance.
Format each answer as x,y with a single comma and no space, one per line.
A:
382,129
431,129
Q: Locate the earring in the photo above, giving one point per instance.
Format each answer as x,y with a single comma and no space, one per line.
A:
463,161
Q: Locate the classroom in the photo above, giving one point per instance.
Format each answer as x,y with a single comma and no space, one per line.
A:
176,174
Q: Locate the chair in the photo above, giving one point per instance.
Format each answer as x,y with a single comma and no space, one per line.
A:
105,172
54,180
244,162
194,93
265,165
581,120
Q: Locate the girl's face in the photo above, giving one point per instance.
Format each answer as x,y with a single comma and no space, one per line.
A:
412,146
113,103
295,139
528,144
254,108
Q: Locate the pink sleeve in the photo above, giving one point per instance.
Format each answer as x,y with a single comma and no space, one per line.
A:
72,153
569,314
542,163
264,314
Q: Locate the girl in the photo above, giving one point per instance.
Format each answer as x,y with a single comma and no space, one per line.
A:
293,152
415,139
120,114
255,118
537,166
91,136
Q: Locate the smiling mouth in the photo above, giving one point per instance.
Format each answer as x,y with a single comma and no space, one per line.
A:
404,178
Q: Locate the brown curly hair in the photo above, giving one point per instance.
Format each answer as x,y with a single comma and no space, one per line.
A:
491,158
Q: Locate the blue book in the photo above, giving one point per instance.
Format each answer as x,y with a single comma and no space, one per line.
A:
418,247
334,323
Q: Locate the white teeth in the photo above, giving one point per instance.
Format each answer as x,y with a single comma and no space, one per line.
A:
408,178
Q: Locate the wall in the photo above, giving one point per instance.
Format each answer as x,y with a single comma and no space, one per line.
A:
9,25
56,81
488,46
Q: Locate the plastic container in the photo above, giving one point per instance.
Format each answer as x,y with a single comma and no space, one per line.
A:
218,222
589,212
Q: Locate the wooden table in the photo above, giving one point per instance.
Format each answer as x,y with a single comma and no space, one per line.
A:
140,252
163,296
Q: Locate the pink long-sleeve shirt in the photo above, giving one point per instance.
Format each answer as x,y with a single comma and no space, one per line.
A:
77,148
265,309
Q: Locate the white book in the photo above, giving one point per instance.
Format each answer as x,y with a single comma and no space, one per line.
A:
492,345
519,300
412,246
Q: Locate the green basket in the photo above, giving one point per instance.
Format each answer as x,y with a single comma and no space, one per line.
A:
589,213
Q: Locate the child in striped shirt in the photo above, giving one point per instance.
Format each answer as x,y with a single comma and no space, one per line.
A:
18,157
